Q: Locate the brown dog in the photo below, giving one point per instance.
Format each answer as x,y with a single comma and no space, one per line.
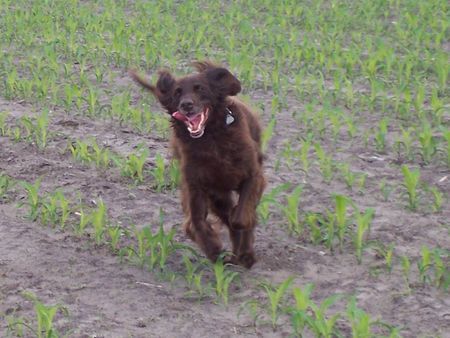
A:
216,138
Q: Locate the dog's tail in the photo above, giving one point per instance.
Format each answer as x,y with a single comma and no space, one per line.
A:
143,82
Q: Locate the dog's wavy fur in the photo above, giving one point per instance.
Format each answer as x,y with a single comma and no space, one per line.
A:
226,160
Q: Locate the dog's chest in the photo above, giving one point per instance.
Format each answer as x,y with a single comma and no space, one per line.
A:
221,165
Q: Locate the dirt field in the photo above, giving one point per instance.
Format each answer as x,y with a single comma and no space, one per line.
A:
106,298
354,100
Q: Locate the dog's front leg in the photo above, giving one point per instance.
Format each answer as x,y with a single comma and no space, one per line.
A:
199,229
244,214
243,220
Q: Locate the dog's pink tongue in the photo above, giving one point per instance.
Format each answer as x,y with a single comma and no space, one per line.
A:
195,121
177,115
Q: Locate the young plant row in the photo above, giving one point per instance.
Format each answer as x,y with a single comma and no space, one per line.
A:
401,66
419,196
104,41
138,245
43,326
36,131
29,129
331,227
328,168
132,166
300,159
308,318
334,227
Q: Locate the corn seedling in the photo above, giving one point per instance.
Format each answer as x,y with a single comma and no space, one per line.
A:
325,163
269,199
6,183
380,135
291,211
34,200
387,253
407,143
114,233
16,134
313,222
341,203
190,270
318,323
166,246
363,222
438,199
441,269
98,220
42,129
385,189
29,127
158,172
223,280
446,135
406,270
424,264
267,134
3,126
133,166
303,154
194,276
361,182
84,221
64,209
330,224
348,176
153,249
80,151
299,312
45,315
410,182
359,320
361,323
428,144
174,174
275,295
140,251
49,210
101,156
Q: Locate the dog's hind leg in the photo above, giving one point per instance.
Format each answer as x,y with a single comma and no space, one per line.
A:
199,229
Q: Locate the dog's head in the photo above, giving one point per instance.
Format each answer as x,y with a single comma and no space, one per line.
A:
193,99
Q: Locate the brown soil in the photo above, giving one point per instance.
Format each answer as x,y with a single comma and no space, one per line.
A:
107,298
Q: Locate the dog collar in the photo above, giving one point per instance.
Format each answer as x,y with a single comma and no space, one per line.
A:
229,119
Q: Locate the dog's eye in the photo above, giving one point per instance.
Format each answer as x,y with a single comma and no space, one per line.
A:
178,92
198,88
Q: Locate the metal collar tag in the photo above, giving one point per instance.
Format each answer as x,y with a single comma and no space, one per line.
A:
230,117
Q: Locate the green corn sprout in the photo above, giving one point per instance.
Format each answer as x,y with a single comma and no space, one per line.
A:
411,180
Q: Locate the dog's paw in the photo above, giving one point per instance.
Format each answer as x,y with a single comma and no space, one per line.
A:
247,259
230,258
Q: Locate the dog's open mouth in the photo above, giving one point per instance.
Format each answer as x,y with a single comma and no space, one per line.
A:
194,123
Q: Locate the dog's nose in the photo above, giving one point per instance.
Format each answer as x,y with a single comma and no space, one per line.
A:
187,105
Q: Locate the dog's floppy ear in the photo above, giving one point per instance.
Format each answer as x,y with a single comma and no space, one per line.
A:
163,88
165,83
201,66
222,81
